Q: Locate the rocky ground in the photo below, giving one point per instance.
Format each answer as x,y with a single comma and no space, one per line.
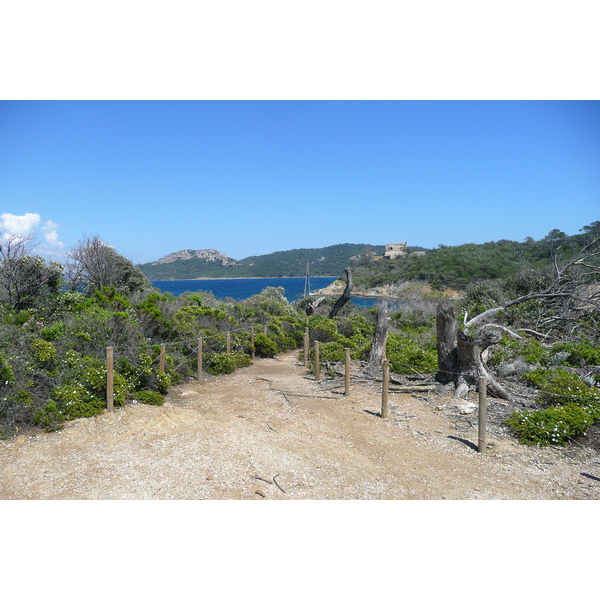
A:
271,432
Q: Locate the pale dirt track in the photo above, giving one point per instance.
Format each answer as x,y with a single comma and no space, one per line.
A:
229,437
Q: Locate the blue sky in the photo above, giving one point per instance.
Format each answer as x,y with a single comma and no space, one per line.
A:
253,177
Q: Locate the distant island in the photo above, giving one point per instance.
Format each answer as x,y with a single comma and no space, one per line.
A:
329,261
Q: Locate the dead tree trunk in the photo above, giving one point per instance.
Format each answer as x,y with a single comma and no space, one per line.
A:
345,296
446,343
379,341
460,357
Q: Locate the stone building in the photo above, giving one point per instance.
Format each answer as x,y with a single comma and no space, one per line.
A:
395,250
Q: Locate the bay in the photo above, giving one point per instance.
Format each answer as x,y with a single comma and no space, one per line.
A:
240,288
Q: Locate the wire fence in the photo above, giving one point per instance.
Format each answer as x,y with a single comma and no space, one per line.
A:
207,348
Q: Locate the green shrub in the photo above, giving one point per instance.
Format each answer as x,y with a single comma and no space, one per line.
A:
579,355
264,346
48,417
408,356
554,425
241,360
53,332
43,351
149,397
558,386
323,329
221,364
7,376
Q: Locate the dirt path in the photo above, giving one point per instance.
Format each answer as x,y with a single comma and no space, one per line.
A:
239,437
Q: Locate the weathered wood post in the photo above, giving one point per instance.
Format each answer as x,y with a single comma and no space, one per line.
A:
252,341
306,342
482,414
385,388
162,358
199,358
265,329
347,373
109,379
317,362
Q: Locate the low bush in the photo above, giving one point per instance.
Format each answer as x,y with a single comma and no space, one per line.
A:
221,364
264,346
558,386
149,397
408,356
553,425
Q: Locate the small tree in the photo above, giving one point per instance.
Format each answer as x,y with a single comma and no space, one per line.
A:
92,265
25,279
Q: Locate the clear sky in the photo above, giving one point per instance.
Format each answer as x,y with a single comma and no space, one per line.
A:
253,177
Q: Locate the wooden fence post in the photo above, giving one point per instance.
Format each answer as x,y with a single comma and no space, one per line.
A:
385,388
482,414
252,341
306,341
266,329
229,342
109,379
199,358
347,373
317,362
162,358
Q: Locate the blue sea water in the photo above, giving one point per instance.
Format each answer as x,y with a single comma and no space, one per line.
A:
240,289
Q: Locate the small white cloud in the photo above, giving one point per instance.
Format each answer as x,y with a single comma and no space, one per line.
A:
19,225
51,234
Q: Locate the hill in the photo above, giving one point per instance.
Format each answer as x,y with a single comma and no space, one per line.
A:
193,264
457,266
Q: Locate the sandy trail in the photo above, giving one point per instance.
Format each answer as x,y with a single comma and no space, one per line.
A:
269,431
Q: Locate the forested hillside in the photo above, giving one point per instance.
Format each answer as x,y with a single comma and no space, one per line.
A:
457,266
331,260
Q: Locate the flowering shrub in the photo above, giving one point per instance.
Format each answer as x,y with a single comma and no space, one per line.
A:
554,425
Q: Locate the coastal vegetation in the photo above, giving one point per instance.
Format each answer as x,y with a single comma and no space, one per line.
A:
56,322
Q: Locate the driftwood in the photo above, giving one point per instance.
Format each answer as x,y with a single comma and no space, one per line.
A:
345,296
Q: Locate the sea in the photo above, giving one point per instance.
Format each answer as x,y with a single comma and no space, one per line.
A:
240,288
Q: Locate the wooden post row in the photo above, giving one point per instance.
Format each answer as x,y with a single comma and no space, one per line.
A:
385,388
109,379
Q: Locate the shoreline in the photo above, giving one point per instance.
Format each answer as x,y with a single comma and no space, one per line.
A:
230,278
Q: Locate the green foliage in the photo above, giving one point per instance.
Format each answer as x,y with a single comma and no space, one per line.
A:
48,417
7,376
149,397
557,386
43,351
553,425
579,354
264,346
408,356
221,364
570,408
